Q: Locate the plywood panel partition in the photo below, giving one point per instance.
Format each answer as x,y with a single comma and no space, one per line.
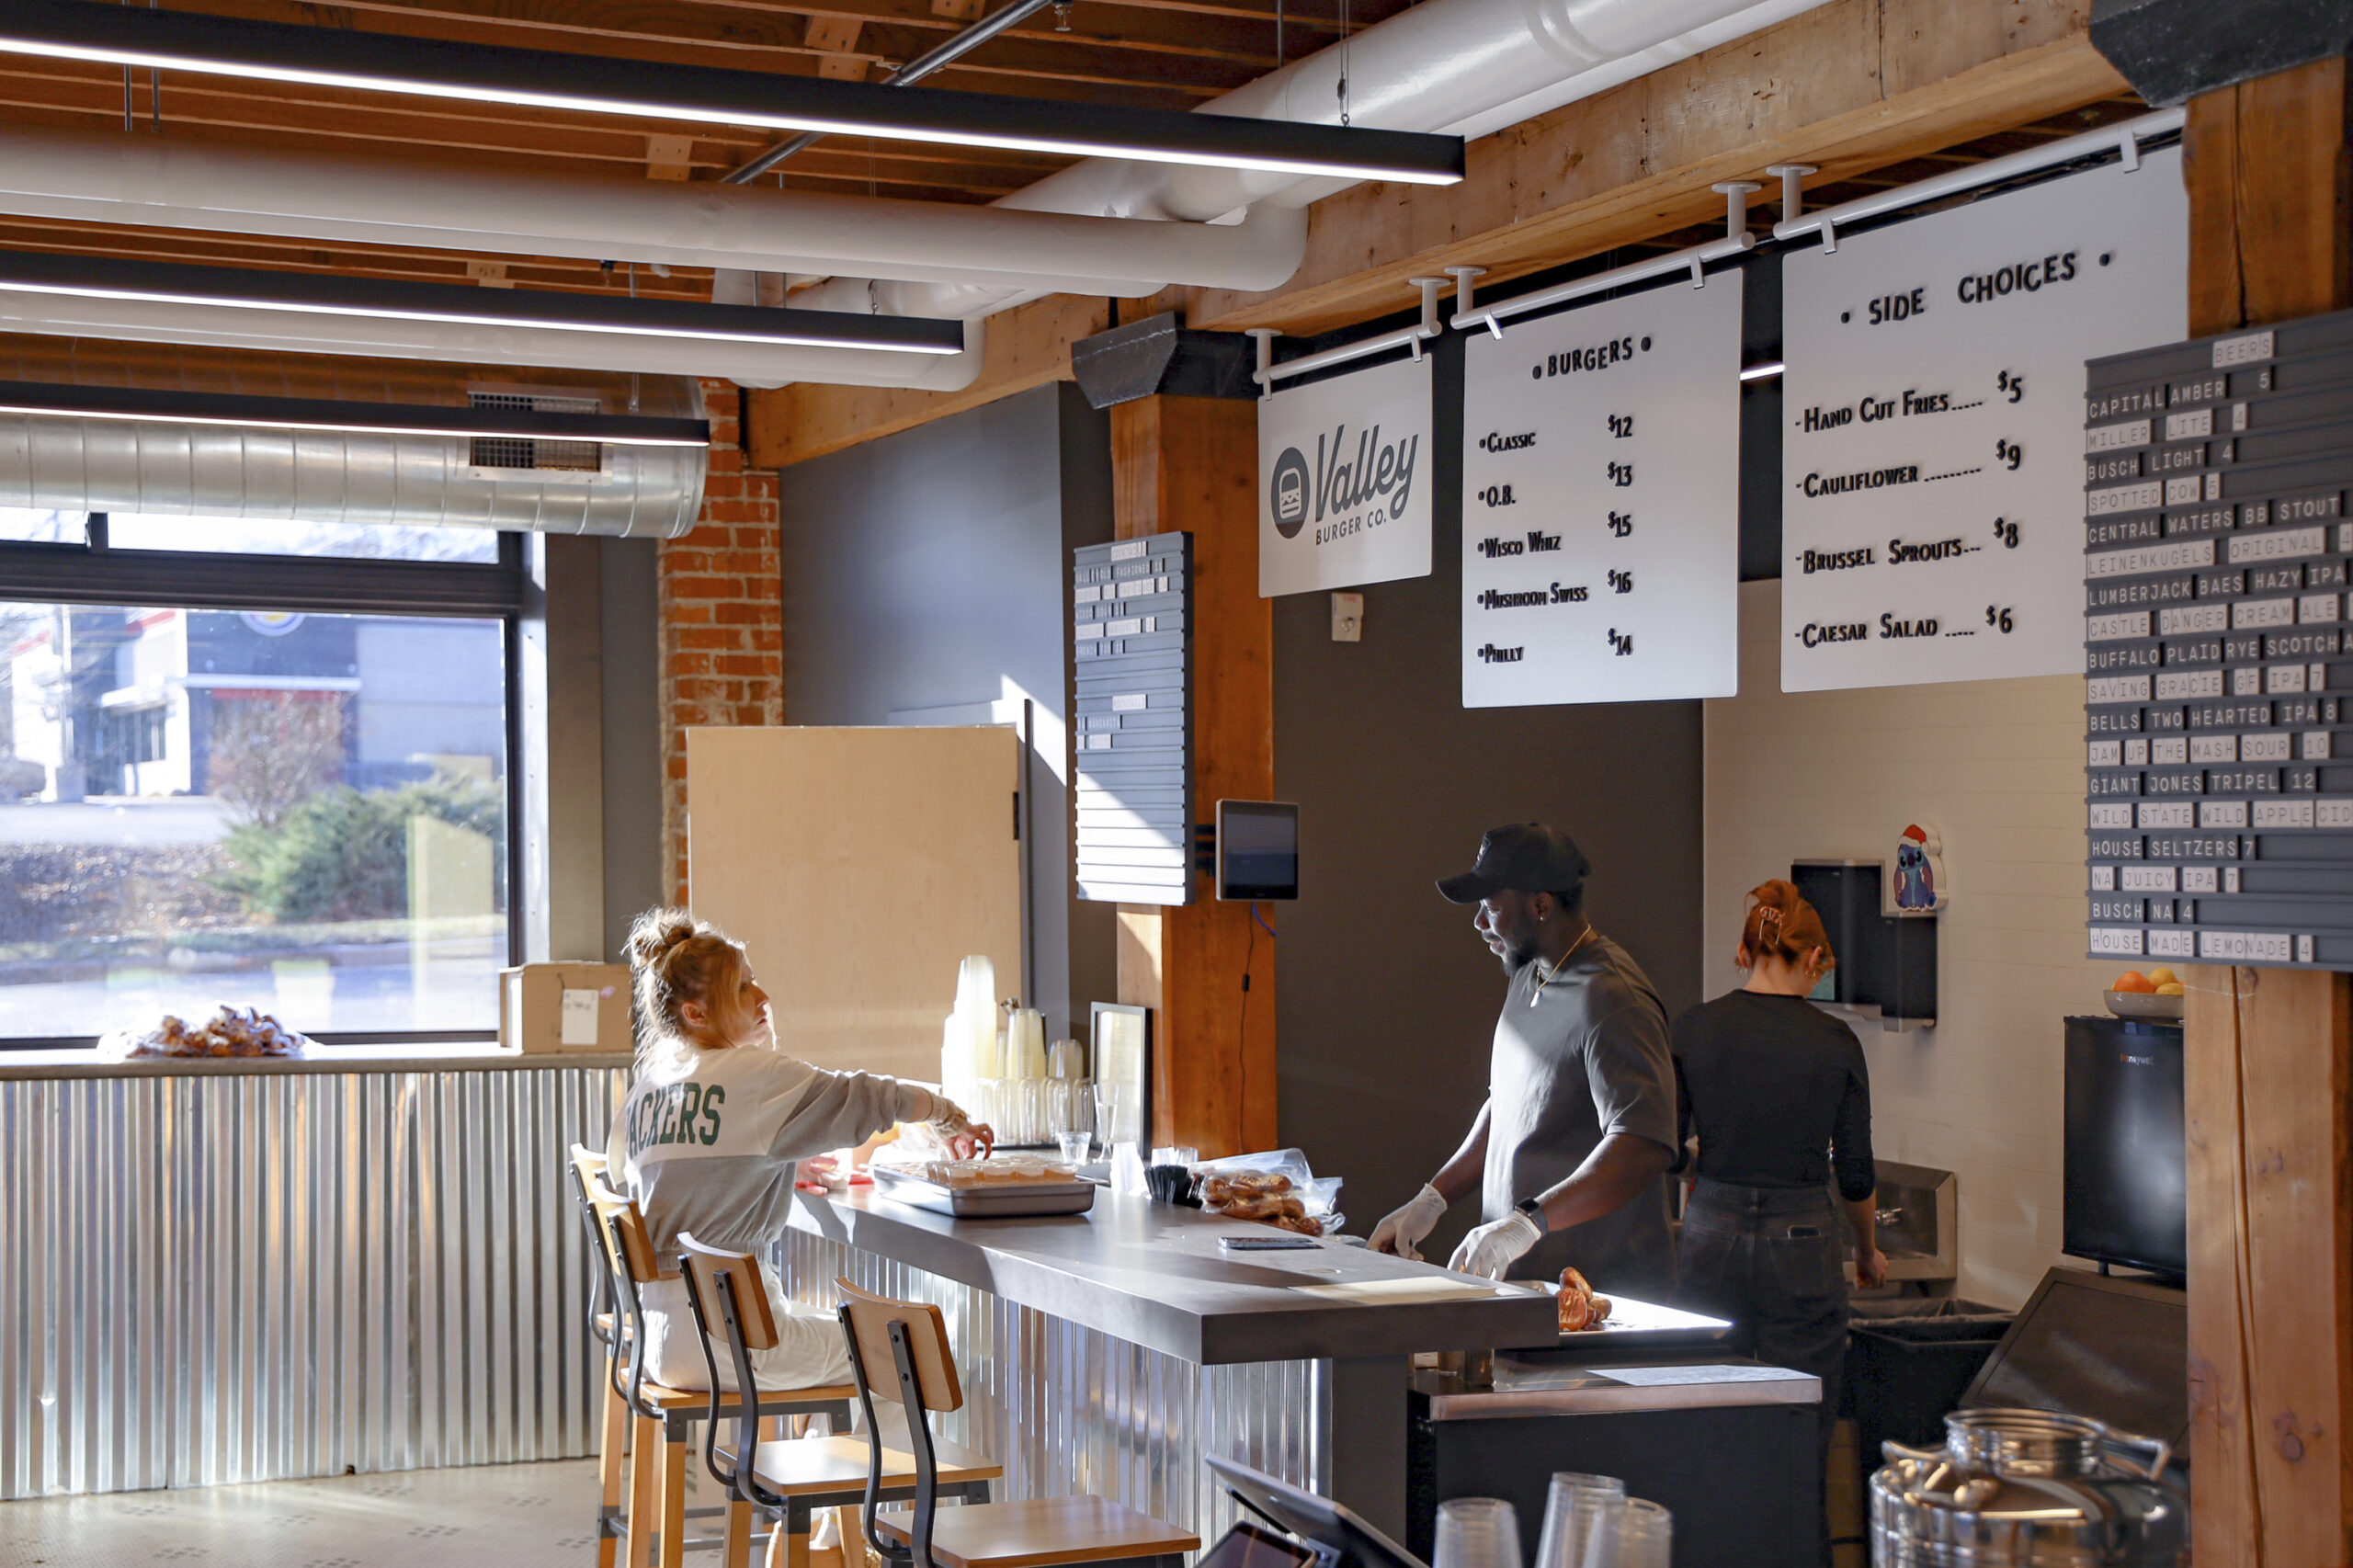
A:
859,867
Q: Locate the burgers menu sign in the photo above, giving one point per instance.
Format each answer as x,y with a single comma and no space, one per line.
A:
1602,502
1344,480
1932,503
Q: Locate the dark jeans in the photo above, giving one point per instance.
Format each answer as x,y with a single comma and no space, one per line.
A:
1771,1260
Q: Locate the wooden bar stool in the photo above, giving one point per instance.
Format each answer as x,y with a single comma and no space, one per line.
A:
793,1478
664,1417
899,1351
605,1327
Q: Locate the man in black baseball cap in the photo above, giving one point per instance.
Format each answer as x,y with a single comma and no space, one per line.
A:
1579,1123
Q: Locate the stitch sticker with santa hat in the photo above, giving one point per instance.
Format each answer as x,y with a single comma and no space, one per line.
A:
1917,882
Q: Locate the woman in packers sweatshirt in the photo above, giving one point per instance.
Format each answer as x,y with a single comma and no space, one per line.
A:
708,1139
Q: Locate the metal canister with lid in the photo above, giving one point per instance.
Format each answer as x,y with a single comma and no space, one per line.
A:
2030,1488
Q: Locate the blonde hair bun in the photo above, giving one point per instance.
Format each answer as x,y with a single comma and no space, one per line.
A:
653,934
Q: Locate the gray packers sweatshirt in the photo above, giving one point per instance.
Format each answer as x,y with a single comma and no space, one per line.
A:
711,1149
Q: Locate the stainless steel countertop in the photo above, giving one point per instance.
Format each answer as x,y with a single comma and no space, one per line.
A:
1681,1382
406,1058
1153,1275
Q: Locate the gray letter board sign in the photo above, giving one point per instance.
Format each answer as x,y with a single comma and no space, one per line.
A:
2218,682
1132,737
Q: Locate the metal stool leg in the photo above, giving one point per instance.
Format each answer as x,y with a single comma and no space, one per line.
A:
612,1453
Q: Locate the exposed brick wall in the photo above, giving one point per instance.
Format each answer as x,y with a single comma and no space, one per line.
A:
722,617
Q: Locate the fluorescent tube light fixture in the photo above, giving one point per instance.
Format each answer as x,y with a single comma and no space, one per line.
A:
385,62
47,400
1761,373
249,288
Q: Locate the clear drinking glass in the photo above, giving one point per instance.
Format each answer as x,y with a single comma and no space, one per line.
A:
1478,1532
1075,1146
1645,1535
1580,1515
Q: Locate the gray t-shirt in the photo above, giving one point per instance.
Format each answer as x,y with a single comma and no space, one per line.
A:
1588,1058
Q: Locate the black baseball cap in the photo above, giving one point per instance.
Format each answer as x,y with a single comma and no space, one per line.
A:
1524,856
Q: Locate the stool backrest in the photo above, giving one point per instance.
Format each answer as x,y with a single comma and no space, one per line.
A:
868,1319
706,1268
627,1241
729,1302
588,1166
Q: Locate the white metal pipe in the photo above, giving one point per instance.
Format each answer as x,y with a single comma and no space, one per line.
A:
1412,337
1465,67
169,182
143,321
1693,260
2127,135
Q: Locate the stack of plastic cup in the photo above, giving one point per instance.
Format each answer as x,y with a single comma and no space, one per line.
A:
1478,1532
1646,1536
1581,1516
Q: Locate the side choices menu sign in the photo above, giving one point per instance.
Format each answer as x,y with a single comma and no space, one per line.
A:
1344,480
1932,501
1601,502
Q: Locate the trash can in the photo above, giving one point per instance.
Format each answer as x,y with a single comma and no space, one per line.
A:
1903,1374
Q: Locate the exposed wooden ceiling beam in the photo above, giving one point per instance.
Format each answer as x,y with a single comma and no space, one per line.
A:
1855,85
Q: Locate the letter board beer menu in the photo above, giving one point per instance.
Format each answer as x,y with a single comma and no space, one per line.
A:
1602,502
2220,688
1132,736
1929,498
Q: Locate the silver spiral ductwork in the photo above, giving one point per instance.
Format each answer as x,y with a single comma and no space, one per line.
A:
166,467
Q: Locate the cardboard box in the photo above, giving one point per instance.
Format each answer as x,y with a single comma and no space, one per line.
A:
565,1006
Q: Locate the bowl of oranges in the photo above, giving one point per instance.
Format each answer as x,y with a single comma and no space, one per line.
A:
2156,995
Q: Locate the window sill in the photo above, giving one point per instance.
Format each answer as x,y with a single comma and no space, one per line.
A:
407,1057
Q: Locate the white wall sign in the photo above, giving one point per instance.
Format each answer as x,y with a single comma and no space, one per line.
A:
1932,510
1344,480
1602,502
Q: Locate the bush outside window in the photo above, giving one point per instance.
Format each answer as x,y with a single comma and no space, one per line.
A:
305,812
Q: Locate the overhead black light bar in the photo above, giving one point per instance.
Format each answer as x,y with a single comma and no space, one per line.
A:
49,399
235,287
384,63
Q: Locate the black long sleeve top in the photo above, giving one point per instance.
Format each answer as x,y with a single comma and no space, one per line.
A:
1777,1091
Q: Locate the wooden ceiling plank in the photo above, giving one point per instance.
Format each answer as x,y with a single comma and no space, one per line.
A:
1601,173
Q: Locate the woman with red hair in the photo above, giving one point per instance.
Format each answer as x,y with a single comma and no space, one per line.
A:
1775,1093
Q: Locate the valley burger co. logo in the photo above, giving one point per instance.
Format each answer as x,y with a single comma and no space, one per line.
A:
1346,497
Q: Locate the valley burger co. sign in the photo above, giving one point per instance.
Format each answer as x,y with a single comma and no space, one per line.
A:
1344,480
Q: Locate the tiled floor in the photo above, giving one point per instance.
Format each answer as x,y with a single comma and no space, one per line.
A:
516,1515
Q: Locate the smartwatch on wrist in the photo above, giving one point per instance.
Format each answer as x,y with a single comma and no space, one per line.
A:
1534,1208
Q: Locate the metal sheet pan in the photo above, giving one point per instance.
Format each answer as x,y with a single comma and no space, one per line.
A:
1010,1201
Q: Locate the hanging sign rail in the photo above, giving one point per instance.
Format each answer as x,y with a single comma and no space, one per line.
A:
1268,372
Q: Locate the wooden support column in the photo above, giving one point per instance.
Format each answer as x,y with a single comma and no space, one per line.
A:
1190,464
2268,1069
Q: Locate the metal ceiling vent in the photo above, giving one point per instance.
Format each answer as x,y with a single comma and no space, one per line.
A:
203,467
510,451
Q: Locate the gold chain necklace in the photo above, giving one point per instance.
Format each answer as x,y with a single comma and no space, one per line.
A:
1555,972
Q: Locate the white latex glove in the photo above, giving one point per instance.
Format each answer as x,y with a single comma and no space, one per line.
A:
1491,1249
1401,1232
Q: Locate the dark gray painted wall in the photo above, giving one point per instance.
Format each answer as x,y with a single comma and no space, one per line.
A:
631,612
1386,1000
927,570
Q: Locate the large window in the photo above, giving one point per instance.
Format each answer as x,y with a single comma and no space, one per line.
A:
278,778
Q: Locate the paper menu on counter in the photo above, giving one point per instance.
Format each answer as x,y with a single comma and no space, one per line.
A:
1675,1377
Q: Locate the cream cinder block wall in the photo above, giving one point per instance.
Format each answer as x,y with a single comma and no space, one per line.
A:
1997,768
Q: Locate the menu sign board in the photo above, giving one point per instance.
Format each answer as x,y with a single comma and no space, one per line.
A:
2220,675
1132,735
1601,502
1344,480
1928,515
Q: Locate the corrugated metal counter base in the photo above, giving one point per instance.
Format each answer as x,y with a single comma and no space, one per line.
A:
210,1279
1069,1410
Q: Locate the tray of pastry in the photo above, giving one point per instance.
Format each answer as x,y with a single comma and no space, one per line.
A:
986,1189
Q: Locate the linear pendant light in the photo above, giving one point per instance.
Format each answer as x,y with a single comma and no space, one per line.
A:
244,410
338,57
113,278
